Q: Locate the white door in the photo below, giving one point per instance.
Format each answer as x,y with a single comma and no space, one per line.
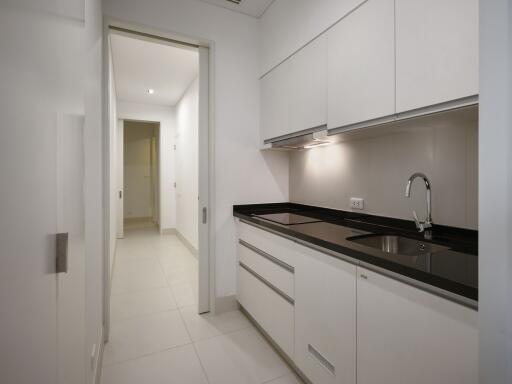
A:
41,190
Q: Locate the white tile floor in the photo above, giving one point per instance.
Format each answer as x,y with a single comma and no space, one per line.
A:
157,337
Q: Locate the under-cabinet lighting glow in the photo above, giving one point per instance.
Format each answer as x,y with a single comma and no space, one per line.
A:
319,143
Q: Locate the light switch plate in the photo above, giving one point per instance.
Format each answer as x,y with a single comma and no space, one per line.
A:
356,203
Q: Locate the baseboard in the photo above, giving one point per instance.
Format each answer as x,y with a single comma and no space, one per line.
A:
132,220
226,304
99,360
276,347
187,244
168,231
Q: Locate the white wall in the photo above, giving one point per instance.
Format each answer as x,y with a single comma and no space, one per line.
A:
288,25
94,136
138,188
495,244
164,115
243,174
377,168
187,140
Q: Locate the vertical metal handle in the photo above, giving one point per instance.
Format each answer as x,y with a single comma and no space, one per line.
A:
61,252
120,194
205,215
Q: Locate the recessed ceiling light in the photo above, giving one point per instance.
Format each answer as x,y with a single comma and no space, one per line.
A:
150,91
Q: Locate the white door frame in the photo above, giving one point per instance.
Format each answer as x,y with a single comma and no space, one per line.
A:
120,177
206,48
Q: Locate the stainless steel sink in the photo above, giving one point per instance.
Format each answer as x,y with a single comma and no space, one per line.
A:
398,245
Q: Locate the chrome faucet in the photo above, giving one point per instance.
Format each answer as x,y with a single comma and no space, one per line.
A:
422,225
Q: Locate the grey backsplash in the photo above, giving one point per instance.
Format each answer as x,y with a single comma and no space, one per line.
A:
376,168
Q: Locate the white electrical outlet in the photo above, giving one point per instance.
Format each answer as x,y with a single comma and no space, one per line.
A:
356,203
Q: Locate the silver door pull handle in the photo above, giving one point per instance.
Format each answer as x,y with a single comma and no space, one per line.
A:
61,252
205,215
120,194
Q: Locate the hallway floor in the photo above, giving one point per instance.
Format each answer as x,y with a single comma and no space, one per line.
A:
157,336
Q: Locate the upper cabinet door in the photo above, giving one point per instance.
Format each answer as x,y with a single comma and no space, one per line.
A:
275,91
436,51
308,86
294,94
361,65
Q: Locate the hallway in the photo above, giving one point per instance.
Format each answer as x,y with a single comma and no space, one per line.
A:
156,334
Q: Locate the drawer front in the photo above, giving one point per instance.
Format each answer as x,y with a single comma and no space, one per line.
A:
273,312
277,272
277,246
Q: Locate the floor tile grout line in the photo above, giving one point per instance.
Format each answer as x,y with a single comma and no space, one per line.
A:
158,259
140,291
146,355
142,315
195,349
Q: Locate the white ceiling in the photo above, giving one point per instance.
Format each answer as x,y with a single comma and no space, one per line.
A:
141,64
254,8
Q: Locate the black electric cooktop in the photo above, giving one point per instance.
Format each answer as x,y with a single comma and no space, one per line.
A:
287,218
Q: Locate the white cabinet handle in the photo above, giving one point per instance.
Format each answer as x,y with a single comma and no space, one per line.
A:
264,254
267,283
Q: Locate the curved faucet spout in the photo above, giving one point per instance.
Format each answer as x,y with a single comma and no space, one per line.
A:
428,221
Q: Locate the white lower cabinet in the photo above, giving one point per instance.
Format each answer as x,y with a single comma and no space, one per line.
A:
344,324
406,335
325,318
272,312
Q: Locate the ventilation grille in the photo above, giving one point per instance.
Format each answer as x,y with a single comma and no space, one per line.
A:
237,2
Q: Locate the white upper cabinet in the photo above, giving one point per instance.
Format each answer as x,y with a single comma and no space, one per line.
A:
361,65
294,94
275,91
436,51
308,95
287,25
406,335
325,318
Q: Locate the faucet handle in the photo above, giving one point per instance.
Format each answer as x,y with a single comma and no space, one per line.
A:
419,224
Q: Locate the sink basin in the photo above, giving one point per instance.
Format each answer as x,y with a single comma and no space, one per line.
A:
398,245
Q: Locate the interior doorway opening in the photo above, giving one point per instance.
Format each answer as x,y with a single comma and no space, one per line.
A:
159,130
141,186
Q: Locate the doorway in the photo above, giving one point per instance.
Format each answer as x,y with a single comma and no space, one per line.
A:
140,168
159,88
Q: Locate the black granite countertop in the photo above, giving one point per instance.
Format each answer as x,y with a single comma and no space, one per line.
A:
454,269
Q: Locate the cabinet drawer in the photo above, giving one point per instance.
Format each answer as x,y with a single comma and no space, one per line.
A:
276,246
270,268
273,312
